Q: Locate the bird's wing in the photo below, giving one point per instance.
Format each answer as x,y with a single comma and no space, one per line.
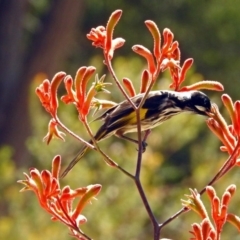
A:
123,113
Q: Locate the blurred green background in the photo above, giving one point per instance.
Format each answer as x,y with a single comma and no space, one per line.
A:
50,36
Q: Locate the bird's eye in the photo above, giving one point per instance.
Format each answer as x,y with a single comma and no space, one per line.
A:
200,108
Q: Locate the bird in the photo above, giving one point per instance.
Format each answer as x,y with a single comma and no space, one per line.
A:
158,107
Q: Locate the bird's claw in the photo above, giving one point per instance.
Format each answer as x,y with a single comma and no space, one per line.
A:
144,146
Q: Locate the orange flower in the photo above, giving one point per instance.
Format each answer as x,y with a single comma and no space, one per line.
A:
203,231
59,203
228,134
53,132
47,93
143,51
79,96
98,36
219,213
103,37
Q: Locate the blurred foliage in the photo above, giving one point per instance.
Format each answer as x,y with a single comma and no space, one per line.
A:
181,153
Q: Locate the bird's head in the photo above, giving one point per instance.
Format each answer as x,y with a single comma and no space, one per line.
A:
196,102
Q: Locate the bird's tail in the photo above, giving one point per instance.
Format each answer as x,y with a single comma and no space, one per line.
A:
74,161
102,132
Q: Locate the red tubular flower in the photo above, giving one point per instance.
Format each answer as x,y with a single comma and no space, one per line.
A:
144,81
231,134
70,97
167,41
152,27
80,86
219,213
186,65
197,231
203,231
141,50
87,103
79,95
47,93
163,57
59,203
170,53
228,134
234,220
117,43
206,84
237,107
174,67
220,207
129,87
174,50
112,22
97,35
53,132
221,130
103,38
44,185
234,111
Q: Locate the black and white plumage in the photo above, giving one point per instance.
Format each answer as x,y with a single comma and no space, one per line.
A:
158,107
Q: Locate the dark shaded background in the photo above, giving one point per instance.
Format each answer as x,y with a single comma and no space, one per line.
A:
50,36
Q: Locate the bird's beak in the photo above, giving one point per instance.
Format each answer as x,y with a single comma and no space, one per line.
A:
210,113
